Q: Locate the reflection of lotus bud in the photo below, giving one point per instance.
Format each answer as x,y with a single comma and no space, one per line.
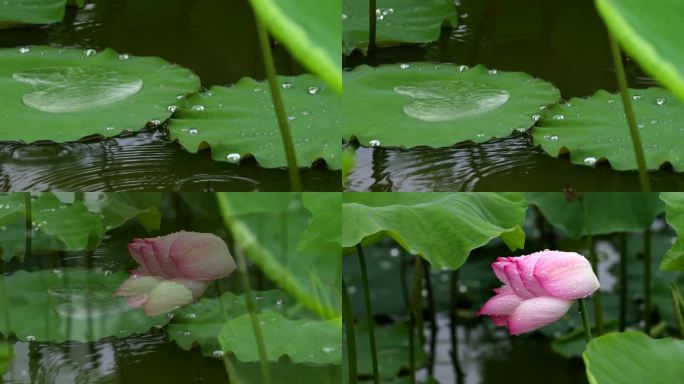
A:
174,270
538,289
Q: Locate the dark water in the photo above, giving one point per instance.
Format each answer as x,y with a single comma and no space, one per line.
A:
561,41
214,38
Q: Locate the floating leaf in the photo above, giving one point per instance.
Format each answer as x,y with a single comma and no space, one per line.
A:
79,93
311,31
652,35
674,214
201,323
18,12
595,129
633,357
609,212
398,21
440,227
438,105
284,371
302,341
240,121
69,304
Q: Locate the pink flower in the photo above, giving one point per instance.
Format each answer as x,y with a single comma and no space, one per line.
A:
538,289
174,270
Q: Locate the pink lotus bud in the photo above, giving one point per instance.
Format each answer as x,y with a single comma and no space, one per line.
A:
174,270
538,289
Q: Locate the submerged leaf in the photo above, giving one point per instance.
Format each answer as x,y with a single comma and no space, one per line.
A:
651,35
68,304
398,21
240,121
311,31
441,228
438,105
302,341
67,94
595,129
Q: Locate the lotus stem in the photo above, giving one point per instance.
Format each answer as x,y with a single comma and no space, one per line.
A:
372,24
433,317
412,318
29,225
453,293
629,114
677,308
585,319
647,281
251,308
348,317
417,298
369,313
279,105
594,265
623,282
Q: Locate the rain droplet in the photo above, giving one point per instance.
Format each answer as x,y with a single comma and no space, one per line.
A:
462,68
191,316
291,117
313,91
287,85
374,143
279,301
404,66
172,108
559,117
636,97
493,71
90,52
536,118
590,161
344,17
554,138
193,131
187,333
30,338
156,122
110,128
198,108
233,157
218,354
124,56
24,50
260,90
661,101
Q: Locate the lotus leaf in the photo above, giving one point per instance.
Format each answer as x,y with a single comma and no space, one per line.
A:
398,21
633,357
311,31
240,121
302,341
438,105
18,12
61,94
202,322
674,213
441,228
652,35
595,129
69,304
5,356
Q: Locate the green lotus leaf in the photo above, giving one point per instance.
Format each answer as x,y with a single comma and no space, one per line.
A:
633,357
201,323
116,208
5,356
674,214
324,229
284,371
609,212
302,341
595,129
19,12
437,105
240,121
398,21
311,31
69,304
441,228
60,94
652,35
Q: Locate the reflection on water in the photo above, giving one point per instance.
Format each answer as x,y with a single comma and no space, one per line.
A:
541,38
510,164
216,39
146,161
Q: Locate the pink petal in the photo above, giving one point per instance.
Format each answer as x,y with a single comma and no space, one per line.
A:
197,287
202,256
151,261
136,301
165,297
566,275
499,320
535,313
140,271
498,267
525,265
516,282
134,250
162,249
503,303
134,286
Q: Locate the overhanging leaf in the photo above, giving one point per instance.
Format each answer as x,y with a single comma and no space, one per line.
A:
674,214
652,35
595,129
240,121
438,105
442,228
302,341
117,208
79,93
633,357
609,212
73,304
398,21
310,30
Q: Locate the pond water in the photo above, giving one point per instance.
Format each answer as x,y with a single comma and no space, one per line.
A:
560,41
215,39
